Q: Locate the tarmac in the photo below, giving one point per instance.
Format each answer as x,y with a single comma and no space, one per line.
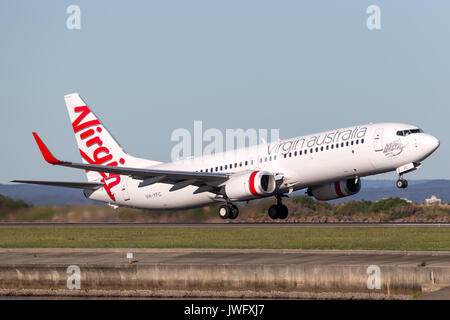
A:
225,224
224,256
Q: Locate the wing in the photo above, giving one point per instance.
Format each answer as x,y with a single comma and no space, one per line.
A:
179,179
79,185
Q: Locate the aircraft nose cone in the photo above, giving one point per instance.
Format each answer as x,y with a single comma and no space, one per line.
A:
437,142
431,143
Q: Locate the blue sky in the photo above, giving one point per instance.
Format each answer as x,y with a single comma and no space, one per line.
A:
150,67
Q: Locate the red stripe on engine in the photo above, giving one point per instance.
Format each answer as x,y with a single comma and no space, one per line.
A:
252,183
337,187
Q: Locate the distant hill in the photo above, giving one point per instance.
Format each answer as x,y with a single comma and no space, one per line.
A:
44,195
417,191
372,190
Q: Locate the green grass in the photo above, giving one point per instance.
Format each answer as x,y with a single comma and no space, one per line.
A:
382,238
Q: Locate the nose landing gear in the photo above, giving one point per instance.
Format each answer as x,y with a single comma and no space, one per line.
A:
402,183
279,210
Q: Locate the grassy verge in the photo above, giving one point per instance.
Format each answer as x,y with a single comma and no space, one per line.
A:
381,238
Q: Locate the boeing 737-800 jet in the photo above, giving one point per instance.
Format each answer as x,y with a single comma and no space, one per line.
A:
328,164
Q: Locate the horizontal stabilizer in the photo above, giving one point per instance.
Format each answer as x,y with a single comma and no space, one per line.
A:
79,185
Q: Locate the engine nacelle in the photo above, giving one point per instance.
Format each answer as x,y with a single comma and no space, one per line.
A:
335,190
250,185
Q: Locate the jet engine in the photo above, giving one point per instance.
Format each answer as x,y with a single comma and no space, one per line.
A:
335,190
250,185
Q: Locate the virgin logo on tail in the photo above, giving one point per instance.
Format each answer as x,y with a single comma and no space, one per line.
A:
96,153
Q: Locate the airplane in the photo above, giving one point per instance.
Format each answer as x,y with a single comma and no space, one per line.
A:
329,165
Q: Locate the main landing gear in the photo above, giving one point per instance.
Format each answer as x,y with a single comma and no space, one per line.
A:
228,211
279,210
402,183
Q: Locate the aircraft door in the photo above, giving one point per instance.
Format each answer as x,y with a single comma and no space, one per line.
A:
125,193
378,139
259,163
253,163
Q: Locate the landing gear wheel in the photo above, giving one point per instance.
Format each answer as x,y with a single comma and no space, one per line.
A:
278,211
224,211
234,212
282,212
273,211
402,184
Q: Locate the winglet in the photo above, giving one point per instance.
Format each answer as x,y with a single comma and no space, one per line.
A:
44,150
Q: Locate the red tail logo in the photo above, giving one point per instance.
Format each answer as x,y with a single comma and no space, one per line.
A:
96,154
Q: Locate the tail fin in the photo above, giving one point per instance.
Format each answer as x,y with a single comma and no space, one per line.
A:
95,143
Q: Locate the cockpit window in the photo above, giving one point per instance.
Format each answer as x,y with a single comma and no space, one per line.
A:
408,132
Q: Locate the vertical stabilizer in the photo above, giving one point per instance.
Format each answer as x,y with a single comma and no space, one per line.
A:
95,142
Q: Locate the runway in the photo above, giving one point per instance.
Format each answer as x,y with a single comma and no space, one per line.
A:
223,256
215,224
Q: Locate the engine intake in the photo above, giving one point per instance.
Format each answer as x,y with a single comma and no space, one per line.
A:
250,185
335,190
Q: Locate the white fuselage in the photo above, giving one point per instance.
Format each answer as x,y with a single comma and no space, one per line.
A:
302,162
